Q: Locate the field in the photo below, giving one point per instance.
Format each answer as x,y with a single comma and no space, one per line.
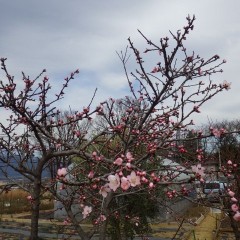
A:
15,201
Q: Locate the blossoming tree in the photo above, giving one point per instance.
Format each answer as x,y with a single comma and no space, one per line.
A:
121,162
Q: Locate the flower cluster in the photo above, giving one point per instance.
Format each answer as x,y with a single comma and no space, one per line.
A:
199,171
115,181
86,211
234,206
217,132
62,172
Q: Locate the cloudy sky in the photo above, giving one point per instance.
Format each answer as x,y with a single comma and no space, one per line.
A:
62,36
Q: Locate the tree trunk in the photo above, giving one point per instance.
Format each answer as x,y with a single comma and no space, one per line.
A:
118,231
35,208
103,228
75,223
234,226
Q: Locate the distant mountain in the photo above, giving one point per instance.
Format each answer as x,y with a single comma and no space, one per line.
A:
14,174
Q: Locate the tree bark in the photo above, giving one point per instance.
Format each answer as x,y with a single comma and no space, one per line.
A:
76,225
35,208
103,228
234,226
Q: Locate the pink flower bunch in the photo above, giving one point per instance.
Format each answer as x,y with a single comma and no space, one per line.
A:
118,161
155,70
217,132
30,199
62,172
91,174
198,170
104,190
96,157
66,221
129,158
229,168
171,194
101,219
234,206
86,211
115,182
226,85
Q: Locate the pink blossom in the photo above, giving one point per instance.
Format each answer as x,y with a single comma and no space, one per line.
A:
229,162
226,85
102,218
114,181
216,132
233,199
62,172
202,180
66,221
29,198
155,70
118,161
125,184
231,193
133,179
234,207
144,180
198,169
236,216
128,165
223,131
104,190
78,133
129,156
91,174
86,211
151,185
200,72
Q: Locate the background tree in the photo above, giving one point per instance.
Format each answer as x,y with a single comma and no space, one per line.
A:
223,149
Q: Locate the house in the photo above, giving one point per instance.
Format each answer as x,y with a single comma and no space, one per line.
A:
176,206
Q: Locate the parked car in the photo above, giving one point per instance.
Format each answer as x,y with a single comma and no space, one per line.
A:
213,190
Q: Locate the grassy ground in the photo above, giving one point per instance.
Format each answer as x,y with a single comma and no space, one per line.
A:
205,229
22,221
183,231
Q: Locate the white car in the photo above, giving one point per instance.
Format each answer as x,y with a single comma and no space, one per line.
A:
213,190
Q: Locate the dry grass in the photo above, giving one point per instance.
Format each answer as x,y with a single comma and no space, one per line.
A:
196,211
15,201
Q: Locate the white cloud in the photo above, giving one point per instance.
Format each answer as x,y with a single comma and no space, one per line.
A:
64,35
